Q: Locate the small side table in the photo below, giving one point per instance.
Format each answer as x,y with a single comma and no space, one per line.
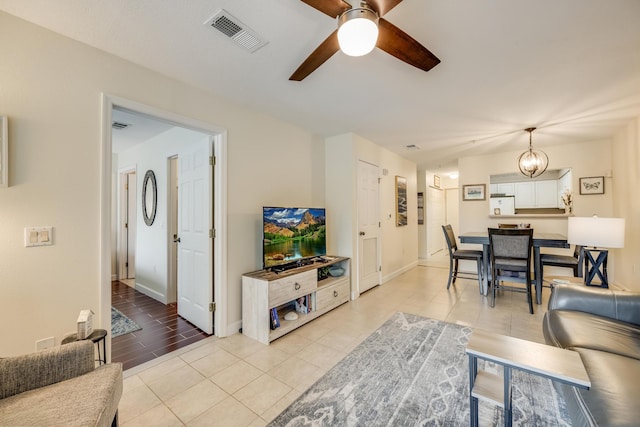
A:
98,336
555,363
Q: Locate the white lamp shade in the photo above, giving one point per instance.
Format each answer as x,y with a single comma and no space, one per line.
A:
596,232
358,33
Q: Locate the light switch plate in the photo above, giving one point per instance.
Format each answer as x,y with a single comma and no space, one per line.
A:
38,236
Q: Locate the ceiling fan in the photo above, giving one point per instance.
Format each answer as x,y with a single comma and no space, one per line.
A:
390,38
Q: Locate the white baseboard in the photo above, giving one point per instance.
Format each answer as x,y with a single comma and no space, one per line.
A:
400,271
151,293
232,328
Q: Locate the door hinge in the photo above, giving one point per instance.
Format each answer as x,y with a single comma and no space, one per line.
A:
212,307
126,264
379,224
380,268
212,233
126,225
212,160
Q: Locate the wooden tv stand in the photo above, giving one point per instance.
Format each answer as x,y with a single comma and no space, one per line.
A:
263,290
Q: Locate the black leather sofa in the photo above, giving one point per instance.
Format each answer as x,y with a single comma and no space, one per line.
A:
602,325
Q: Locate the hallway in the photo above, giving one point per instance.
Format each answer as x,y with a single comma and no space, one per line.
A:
163,331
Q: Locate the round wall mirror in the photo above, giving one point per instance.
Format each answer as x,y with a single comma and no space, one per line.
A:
149,197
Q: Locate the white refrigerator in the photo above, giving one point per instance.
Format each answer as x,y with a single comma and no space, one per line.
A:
504,205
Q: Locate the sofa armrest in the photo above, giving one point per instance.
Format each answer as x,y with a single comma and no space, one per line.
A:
619,305
42,368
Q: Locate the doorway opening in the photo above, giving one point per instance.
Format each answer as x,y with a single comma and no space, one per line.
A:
155,271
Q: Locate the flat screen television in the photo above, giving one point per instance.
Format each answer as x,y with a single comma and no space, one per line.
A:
292,234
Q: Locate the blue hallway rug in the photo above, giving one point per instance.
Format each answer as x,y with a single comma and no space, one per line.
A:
121,324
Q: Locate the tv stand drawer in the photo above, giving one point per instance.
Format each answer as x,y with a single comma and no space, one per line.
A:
289,288
333,295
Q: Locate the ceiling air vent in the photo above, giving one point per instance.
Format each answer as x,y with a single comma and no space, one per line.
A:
239,33
412,147
119,125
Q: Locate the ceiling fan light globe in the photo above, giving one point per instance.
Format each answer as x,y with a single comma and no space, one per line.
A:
357,32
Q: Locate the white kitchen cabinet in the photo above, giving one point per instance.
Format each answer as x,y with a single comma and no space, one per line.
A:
525,193
546,194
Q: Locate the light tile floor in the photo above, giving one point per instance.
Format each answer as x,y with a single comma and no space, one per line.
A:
236,381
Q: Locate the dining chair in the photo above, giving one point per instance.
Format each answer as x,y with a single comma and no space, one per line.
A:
510,252
456,254
573,262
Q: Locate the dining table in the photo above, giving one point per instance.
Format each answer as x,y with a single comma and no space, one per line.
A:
540,240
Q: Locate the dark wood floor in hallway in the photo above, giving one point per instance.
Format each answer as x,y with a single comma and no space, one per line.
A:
163,331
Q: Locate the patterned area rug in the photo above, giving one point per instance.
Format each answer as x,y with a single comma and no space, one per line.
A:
413,371
121,324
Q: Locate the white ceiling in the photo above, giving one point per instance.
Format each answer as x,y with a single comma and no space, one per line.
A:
570,67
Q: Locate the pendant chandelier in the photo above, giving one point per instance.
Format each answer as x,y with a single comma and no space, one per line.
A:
532,163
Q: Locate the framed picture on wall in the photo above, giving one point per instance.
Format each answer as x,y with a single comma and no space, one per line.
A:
436,181
592,185
401,201
4,152
420,208
474,192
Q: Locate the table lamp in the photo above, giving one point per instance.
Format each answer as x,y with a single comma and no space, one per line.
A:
596,235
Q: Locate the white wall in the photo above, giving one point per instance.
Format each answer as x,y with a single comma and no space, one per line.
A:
399,244
151,241
50,87
585,159
625,184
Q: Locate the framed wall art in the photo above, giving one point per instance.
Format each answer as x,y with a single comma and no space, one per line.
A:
474,192
592,185
436,181
4,152
401,201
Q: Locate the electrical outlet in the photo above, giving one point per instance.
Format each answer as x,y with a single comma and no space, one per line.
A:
45,343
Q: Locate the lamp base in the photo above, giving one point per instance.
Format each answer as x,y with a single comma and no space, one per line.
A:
598,267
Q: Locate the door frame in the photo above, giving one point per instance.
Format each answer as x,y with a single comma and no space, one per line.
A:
219,137
121,206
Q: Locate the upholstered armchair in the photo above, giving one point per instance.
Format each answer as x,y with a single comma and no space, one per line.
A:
59,386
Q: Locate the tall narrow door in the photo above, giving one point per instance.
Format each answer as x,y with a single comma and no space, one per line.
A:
436,217
195,247
368,227
130,226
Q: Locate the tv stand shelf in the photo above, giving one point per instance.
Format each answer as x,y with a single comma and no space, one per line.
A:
264,290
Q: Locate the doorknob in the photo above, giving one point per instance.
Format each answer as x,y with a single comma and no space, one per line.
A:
176,239
362,233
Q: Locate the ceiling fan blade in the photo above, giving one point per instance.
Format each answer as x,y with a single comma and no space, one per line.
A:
397,43
318,57
382,6
333,8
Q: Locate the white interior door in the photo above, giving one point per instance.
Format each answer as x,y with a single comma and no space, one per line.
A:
368,227
131,225
195,249
452,204
435,220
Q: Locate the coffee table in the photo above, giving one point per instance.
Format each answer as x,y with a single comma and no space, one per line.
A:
555,363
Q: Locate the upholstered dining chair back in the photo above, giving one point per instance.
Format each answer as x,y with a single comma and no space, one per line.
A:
511,255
